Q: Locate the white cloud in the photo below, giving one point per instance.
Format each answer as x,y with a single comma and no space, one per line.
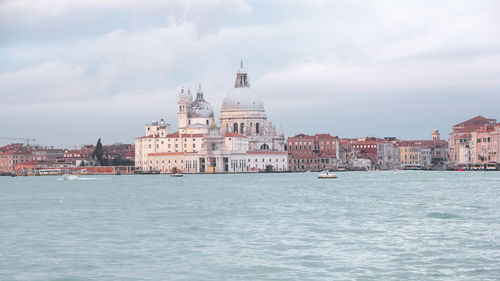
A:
55,7
45,83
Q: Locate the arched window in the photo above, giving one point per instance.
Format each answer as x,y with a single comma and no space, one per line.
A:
207,121
235,128
264,146
257,128
242,126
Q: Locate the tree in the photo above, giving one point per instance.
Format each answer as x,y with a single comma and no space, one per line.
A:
98,152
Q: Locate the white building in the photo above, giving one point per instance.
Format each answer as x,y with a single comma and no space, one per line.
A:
245,142
388,156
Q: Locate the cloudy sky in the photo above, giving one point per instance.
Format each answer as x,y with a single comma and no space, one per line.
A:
72,71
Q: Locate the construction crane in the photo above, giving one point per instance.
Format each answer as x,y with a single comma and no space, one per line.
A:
25,140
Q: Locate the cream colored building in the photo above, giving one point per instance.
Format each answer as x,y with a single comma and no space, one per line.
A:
245,142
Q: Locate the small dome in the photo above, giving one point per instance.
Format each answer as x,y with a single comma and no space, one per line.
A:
242,99
200,108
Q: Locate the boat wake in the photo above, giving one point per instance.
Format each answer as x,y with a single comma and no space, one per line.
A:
75,178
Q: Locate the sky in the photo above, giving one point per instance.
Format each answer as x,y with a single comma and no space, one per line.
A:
74,71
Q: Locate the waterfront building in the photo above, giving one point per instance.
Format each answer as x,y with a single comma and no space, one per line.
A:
424,154
388,155
313,153
366,148
345,153
358,153
245,141
10,155
474,144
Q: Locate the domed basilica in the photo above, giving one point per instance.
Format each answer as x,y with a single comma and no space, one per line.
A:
244,142
243,112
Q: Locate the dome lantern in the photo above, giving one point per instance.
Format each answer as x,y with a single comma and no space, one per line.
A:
241,78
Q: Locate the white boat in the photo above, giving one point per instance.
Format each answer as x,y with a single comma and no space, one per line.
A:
326,175
69,177
176,175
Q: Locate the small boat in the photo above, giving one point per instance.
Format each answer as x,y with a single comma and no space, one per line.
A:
69,177
395,171
176,175
326,175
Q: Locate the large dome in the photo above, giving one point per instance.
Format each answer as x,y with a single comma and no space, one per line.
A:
200,108
242,99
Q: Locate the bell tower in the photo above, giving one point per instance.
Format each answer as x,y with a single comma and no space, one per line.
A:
183,103
435,135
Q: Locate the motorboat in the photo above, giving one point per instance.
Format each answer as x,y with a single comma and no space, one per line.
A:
178,175
326,175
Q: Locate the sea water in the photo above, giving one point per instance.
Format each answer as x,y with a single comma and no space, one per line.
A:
411,225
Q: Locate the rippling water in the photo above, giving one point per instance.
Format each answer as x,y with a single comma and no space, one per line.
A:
362,226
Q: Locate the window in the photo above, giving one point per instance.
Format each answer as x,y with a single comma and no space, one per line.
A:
235,128
257,127
242,128
207,121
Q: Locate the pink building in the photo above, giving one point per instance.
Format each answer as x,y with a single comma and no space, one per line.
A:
474,144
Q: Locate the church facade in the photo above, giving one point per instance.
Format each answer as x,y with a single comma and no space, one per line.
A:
244,142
